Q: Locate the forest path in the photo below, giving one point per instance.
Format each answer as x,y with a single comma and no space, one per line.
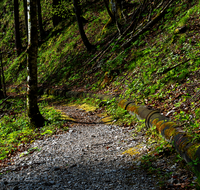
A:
88,156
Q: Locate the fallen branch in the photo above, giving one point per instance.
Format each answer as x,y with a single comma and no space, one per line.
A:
147,26
5,100
169,69
103,51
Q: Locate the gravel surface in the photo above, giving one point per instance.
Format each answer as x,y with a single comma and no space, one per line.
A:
88,156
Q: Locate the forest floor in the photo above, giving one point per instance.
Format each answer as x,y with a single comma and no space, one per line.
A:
161,69
93,155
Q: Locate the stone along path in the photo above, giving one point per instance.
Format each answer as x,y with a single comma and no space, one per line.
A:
88,156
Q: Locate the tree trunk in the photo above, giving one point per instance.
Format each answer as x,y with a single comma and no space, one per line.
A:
1,74
25,15
18,44
40,20
109,12
80,26
36,119
117,12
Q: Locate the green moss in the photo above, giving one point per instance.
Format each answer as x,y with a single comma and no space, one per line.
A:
191,151
183,144
122,103
171,132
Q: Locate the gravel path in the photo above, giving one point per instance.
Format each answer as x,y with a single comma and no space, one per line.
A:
88,156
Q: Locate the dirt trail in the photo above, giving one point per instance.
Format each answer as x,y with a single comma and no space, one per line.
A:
88,156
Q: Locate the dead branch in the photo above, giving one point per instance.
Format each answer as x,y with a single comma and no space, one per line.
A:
169,69
5,100
103,51
147,26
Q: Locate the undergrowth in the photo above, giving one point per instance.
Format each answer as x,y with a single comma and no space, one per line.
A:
15,129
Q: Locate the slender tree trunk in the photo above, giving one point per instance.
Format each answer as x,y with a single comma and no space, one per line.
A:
3,77
116,10
25,15
36,119
18,44
40,20
80,26
109,12
1,88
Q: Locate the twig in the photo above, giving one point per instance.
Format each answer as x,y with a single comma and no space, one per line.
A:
5,100
169,69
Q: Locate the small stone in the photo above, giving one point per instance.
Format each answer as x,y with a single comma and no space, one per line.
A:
57,185
51,182
138,163
74,165
56,168
15,188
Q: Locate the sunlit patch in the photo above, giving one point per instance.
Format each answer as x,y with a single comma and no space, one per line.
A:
105,118
134,150
64,116
87,107
108,120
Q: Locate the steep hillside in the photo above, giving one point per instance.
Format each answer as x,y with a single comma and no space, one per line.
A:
161,67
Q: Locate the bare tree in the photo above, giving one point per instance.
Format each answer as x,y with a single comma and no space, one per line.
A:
18,44
109,12
40,20
36,119
2,94
25,15
80,26
115,13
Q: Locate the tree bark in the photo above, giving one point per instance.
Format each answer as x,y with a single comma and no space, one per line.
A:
40,20
109,12
25,15
80,26
1,74
18,44
113,13
36,119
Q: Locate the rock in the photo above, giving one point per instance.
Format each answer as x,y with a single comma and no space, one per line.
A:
56,168
138,163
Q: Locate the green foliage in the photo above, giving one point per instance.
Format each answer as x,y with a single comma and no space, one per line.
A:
15,128
30,150
62,60
64,9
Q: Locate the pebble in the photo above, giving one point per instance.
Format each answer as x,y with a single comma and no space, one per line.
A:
87,157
